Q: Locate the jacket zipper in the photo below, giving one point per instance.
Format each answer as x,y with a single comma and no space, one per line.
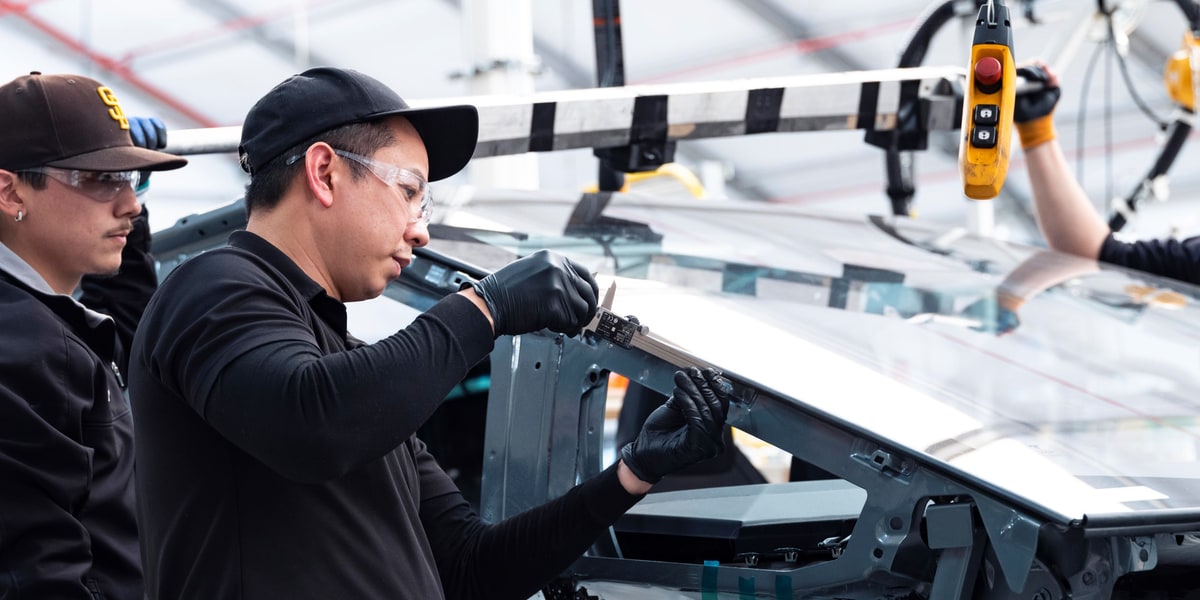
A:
117,371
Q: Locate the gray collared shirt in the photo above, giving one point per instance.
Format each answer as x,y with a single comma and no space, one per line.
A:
20,270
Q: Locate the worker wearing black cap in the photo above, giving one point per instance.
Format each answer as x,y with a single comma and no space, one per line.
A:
277,455
68,169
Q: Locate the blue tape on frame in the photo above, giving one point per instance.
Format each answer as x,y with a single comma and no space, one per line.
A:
746,588
708,580
783,587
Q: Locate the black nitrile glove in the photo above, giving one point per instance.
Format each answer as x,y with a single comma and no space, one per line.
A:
685,430
544,290
1034,105
1033,112
148,132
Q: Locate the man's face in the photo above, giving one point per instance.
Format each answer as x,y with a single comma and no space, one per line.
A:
75,225
379,221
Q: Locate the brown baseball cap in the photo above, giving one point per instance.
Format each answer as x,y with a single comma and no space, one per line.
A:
70,122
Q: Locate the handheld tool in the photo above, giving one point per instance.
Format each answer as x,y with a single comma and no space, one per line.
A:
988,107
627,332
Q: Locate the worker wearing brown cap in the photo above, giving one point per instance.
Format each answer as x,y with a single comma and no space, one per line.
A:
68,169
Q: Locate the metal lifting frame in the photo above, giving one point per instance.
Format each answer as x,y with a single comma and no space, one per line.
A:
632,115
916,513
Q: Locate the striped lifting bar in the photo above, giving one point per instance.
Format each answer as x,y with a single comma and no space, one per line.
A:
619,116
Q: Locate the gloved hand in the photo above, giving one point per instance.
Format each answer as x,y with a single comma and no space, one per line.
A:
544,290
1033,113
685,430
148,132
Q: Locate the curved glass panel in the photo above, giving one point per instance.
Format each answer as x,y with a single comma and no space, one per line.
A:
1071,384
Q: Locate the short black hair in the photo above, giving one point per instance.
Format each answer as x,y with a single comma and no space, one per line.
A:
269,183
33,179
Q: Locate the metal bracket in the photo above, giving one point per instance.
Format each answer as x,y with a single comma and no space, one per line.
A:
1013,536
951,529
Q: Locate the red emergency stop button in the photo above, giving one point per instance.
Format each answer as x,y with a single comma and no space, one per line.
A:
987,74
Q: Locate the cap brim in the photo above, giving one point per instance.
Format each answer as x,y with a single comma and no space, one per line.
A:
121,158
449,133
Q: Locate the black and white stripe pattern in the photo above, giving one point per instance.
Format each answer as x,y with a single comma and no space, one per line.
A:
619,116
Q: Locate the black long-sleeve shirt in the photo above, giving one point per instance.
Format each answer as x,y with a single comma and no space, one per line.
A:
1168,258
277,455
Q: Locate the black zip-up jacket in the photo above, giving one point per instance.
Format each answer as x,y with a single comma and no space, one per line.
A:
67,514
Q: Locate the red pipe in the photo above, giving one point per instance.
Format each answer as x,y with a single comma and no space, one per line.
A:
799,47
107,63
232,25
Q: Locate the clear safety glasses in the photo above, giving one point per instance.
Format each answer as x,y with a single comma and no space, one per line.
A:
413,188
101,186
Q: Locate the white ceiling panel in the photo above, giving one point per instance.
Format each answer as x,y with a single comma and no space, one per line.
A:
204,62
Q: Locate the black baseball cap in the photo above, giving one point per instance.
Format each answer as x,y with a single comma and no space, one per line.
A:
70,122
324,98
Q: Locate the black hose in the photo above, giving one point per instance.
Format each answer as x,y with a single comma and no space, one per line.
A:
933,19
1191,10
1179,132
900,188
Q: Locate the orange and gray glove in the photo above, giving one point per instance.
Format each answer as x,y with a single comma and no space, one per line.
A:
685,430
1033,112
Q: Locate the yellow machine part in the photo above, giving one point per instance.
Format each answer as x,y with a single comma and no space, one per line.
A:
674,171
985,168
1180,73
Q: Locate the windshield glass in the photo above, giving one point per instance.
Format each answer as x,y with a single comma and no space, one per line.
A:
1065,382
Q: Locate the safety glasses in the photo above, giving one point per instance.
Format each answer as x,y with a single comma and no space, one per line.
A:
101,186
413,188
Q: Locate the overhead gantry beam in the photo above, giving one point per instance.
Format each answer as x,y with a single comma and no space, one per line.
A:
622,116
